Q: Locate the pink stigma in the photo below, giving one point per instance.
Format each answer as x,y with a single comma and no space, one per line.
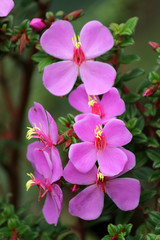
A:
78,55
100,142
101,182
44,186
96,109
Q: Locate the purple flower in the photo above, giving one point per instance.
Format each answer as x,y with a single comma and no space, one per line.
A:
100,144
60,41
44,127
88,204
111,104
5,7
37,24
48,170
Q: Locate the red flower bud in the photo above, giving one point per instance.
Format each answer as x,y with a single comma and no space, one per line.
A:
154,45
37,24
150,91
73,15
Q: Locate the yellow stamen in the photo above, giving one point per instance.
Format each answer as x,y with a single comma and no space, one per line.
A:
32,131
76,43
98,131
29,182
92,100
100,176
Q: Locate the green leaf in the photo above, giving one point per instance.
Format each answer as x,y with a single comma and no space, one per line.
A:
140,123
132,97
154,216
131,123
141,158
143,172
129,26
140,138
124,217
47,61
154,77
158,133
152,142
127,42
135,131
112,229
155,176
137,72
153,154
107,237
147,194
127,59
70,236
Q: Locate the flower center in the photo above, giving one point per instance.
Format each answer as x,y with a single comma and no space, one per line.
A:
44,186
78,54
101,181
36,132
95,106
100,142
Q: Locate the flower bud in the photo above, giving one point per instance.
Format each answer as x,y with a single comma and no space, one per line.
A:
154,45
73,15
37,24
150,91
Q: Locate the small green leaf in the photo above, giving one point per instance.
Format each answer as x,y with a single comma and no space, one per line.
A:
153,154
132,97
133,74
112,229
127,42
147,194
129,26
152,142
127,59
155,176
158,133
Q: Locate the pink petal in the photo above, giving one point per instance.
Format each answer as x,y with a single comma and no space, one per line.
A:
43,163
53,205
60,77
88,204
53,130
112,104
96,39
57,40
57,170
72,175
85,128
124,192
131,162
78,99
83,156
37,116
112,161
80,117
116,133
30,149
98,77
5,7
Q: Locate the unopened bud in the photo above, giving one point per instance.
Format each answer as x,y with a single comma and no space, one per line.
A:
75,188
150,91
154,45
73,15
37,24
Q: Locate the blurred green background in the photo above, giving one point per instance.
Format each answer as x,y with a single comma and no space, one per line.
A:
106,11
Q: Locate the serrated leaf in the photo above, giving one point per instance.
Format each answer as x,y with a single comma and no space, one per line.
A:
137,72
127,59
143,172
152,142
140,138
112,229
127,42
132,97
155,176
45,62
129,26
147,194
153,154
141,158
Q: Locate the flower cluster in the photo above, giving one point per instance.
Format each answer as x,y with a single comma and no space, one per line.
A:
99,159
